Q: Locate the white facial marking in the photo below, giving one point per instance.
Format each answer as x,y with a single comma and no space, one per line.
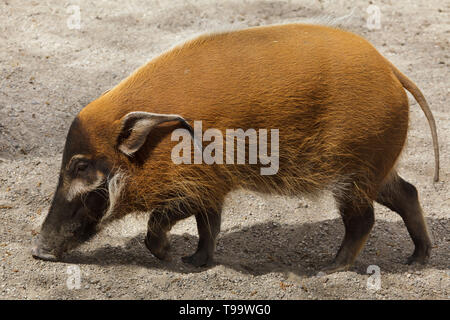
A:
115,187
78,186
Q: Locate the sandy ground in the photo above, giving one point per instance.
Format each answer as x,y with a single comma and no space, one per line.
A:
269,247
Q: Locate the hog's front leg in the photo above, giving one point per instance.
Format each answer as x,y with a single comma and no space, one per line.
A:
159,224
208,225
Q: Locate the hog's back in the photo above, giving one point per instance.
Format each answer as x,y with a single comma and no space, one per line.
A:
336,103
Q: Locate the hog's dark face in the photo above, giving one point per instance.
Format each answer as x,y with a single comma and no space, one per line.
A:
80,200
89,183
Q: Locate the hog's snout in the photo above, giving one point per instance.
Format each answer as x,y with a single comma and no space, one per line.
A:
40,251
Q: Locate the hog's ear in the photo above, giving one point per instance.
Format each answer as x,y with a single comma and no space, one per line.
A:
135,127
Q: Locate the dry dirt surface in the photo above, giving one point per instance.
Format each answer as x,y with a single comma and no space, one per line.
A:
269,247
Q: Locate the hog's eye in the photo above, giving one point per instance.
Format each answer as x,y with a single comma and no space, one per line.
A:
80,167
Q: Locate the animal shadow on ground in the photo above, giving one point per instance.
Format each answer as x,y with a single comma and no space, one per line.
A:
302,249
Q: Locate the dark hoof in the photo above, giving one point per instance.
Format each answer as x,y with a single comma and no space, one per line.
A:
158,248
335,267
419,257
198,259
417,260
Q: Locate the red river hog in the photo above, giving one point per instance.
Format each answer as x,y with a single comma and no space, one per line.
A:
291,109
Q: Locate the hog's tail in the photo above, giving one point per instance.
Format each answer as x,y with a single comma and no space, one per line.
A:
417,94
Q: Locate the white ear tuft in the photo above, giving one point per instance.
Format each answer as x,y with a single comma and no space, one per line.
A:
136,126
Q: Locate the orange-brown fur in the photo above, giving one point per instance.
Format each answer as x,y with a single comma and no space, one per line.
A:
341,112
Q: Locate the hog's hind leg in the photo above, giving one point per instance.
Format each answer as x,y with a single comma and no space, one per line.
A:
358,221
401,196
